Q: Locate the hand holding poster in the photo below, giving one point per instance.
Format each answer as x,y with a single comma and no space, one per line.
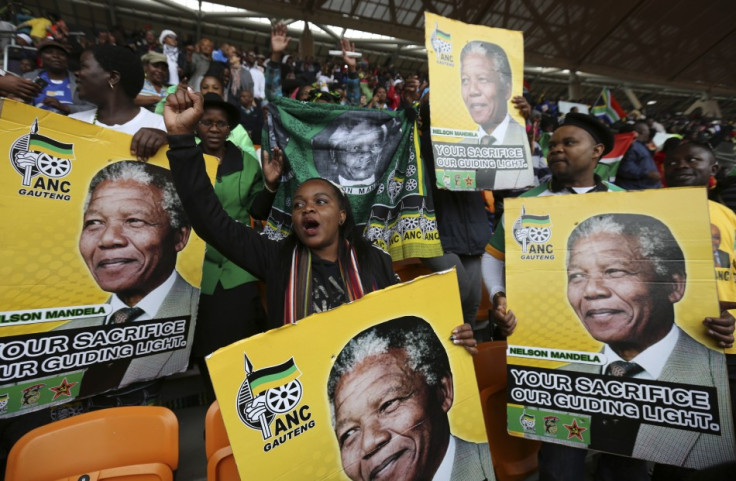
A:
374,389
610,350
100,267
478,137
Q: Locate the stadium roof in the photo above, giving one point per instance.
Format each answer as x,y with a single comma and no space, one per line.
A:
676,48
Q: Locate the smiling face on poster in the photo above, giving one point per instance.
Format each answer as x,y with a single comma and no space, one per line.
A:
390,390
383,396
133,228
625,272
611,352
478,138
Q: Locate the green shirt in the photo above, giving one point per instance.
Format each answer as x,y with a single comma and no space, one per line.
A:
239,179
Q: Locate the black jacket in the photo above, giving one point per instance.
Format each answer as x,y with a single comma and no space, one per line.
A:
266,259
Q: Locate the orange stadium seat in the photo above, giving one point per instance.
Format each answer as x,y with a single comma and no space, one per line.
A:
220,461
514,458
137,443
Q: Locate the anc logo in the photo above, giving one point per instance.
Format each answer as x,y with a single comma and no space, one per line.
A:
532,232
271,396
442,45
48,161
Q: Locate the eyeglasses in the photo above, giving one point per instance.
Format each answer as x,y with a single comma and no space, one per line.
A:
220,124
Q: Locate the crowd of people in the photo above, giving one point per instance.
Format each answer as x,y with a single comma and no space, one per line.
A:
201,98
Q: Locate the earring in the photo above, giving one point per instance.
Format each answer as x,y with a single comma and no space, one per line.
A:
112,86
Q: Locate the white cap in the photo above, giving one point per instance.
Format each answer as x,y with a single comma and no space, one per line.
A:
164,34
25,37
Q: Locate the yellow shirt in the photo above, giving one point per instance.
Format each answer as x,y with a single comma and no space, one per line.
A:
39,26
723,226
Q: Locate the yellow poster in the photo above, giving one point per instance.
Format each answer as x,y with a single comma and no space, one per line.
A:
479,139
88,233
374,389
610,291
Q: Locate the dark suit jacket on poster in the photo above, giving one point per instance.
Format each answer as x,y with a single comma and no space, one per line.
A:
472,462
492,179
690,363
515,135
182,300
722,258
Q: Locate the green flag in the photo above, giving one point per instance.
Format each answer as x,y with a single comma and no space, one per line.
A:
372,154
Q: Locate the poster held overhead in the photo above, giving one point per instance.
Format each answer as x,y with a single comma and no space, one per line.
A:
479,139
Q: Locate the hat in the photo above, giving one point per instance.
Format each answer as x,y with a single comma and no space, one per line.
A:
47,42
26,38
593,126
164,34
233,115
154,57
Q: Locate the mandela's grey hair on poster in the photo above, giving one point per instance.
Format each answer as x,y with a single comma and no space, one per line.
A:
657,242
426,354
146,174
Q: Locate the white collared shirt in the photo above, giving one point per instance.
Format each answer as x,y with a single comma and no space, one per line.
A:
652,359
350,183
150,304
445,470
499,133
259,82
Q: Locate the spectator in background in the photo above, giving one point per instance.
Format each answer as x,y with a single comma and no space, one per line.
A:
104,37
26,65
659,157
175,59
394,92
23,40
110,78
637,170
251,115
240,78
379,99
256,71
40,28
148,44
60,91
59,31
212,83
201,60
156,70
325,77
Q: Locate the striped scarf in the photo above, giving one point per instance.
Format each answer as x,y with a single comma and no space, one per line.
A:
298,298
